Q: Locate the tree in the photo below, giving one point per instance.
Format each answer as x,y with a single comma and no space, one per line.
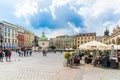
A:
52,47
74,47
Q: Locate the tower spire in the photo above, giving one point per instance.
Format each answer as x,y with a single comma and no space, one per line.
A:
43,34
106,33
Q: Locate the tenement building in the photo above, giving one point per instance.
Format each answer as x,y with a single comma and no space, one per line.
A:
20,37
64,42
52,42
8,33
28,38
114,38
83,38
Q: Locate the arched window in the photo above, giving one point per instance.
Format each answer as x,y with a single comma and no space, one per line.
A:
113,41
109,42
118,41
106,42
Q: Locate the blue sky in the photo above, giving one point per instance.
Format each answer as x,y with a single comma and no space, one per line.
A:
61,17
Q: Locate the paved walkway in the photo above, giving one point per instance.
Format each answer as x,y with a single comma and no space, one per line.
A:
51,67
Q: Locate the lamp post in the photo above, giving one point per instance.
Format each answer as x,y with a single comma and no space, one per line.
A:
1,40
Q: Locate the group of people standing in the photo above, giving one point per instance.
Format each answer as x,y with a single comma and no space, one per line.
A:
25,52
5,53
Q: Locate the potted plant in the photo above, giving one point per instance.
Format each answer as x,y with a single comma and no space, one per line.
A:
67,56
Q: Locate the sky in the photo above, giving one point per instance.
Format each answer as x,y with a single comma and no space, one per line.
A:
62,17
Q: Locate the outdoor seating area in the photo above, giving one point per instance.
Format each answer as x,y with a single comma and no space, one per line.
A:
95,53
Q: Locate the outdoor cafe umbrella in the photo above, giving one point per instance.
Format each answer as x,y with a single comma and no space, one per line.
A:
94,45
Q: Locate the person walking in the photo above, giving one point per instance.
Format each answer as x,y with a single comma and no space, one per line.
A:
9,54
30,52
1,56
27,51
19,52
24,52
44,53
6,54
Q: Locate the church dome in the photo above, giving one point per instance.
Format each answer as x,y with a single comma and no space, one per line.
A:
43,38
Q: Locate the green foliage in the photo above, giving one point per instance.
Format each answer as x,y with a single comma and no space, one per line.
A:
86,52
72,54
67,55
74,47
94,53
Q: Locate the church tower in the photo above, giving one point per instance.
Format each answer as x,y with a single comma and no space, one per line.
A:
106,32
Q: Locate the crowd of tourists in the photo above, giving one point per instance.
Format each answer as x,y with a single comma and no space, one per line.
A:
6,53
24,52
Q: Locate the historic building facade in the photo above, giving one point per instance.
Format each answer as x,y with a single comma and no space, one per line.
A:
9,34
28,38
52,42
114,38
20,37
43,42
64,42
31,37
83,38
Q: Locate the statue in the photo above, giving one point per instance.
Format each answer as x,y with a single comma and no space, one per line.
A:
35,42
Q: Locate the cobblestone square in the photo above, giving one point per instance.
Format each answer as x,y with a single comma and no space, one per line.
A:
50,67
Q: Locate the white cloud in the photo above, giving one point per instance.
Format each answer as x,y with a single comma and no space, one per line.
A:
26,9
94,12
74,28
91,10
58,3
95,8
43,10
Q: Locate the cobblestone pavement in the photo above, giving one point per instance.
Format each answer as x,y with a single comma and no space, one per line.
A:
51,67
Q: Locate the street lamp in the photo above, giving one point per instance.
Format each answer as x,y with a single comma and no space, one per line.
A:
1,40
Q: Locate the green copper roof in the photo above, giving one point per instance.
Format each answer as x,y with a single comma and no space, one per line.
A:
43,38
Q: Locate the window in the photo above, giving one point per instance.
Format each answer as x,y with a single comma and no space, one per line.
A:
12,40
78,41
5,29
92,37
5,40
12,31
8,34
8,40
82,42
12,35
9,30
42,43
15,41
5,34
